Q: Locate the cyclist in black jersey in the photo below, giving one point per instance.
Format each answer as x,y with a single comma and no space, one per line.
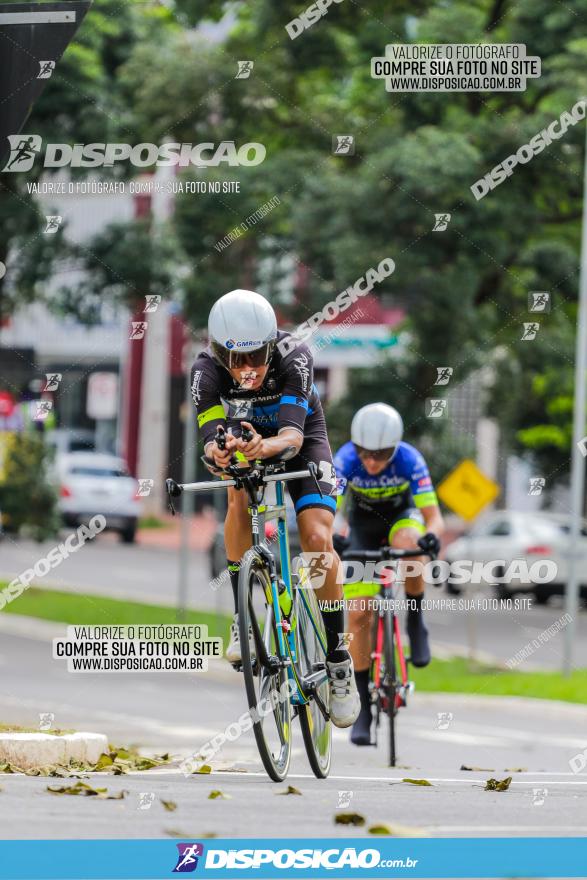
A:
252,376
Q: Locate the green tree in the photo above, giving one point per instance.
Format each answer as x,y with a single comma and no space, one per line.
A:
84,102
464,290
28,500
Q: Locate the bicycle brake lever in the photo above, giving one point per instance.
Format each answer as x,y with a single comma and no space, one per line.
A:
174,490
220,438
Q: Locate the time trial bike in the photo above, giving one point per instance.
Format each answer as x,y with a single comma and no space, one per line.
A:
283,643
389,686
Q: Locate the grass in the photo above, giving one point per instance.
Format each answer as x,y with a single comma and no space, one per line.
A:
152,522
459,675
80,609
456,675
15,728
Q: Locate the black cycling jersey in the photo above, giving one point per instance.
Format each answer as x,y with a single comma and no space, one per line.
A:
287,399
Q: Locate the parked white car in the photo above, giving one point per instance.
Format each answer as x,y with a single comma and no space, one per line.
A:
505,536
66,440
91,483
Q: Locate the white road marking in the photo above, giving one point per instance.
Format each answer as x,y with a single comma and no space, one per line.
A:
435,780
472,739
134,721
509,830
490,734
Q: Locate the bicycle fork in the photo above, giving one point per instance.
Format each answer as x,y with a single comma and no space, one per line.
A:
405,685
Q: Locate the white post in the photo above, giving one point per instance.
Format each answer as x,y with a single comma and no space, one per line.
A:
578,457
154,417
190,443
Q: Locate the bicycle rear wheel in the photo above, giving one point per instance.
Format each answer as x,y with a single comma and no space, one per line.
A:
389,681
311,642
267,690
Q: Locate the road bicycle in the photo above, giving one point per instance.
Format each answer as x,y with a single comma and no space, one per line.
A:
388,690
283,643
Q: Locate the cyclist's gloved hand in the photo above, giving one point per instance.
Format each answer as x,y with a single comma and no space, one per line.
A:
340,543
253,447
430,544
222,457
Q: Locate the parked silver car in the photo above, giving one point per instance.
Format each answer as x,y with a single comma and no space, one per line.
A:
505,536
91,483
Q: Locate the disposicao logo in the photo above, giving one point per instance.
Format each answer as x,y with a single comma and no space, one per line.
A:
24,149
187,859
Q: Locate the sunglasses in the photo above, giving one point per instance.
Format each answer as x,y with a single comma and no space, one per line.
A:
247,359
235,359
376,454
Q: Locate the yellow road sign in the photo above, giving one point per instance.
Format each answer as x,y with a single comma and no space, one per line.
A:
467,490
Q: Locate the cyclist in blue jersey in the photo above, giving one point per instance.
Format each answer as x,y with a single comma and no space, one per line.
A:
386,494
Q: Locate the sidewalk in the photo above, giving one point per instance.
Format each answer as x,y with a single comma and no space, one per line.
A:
201,532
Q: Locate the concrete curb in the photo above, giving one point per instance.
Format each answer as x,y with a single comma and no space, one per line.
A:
29,750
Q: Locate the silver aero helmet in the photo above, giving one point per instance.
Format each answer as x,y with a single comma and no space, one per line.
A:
377,427
242,329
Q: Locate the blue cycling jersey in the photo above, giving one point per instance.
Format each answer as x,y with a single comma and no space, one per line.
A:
405,481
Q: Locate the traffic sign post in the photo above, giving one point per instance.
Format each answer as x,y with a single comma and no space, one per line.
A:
102,406
467,491
578,454
102,396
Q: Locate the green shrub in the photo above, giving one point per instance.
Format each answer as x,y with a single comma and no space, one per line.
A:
28,501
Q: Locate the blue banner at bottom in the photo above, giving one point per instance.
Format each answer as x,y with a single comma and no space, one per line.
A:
281,857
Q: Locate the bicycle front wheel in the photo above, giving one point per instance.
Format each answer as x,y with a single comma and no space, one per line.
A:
311,641
389,682
267,690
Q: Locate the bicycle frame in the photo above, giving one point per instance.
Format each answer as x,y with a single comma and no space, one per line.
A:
286,628
259,513
388,554
377,654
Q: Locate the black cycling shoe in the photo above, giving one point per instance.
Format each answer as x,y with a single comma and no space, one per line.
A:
418,635
361,730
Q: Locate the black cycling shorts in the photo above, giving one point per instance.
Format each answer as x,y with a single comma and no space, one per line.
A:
372,532
303,492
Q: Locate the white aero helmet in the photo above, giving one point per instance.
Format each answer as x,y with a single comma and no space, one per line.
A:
243,329
377,426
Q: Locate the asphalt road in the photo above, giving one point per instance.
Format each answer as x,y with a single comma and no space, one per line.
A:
106,567
532,741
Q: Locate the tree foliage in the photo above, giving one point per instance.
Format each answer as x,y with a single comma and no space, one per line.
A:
465,290
83,102
28,500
